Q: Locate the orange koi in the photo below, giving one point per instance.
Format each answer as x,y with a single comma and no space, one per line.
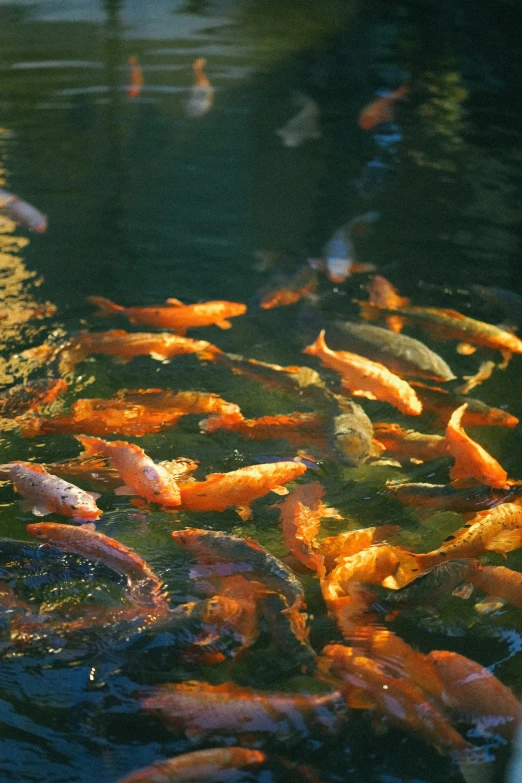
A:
365,378
136,78
185,401
384,294
301,514
303,429
202,711
201,766
499,582
476,692
30,396
352,542
46,494
124,346
443,403
291,289
238,488
381,109
91,544
142,476
408,444
401,702
471,460
174,314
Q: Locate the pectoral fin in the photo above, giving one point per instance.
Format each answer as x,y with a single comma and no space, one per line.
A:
223,324
125,490
245,512
174,302
38,509
160,357
280,490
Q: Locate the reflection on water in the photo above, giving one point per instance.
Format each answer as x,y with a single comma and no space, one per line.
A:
146,202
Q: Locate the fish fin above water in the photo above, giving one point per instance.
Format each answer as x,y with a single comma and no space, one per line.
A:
280,490
223,324
125,490
174,302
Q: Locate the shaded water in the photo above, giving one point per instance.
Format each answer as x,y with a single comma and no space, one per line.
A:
144,202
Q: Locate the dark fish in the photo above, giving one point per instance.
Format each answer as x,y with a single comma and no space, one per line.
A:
351,433
213,546
460,496
430,587
507,301
289,633
443,403
204,711
399,353
30,396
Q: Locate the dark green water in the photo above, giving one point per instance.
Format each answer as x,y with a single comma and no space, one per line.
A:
144,202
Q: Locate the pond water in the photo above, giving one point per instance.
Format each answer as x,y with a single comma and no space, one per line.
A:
145,202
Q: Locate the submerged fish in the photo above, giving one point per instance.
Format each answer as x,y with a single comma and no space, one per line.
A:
471,460
136,78
351,542
125,345
289,632
202,711
21,212
350,434
211,546
30,396
500,582
339,251
384,295
460,496
443,403
239,487
289,290
399,353
201,94
304,125
229,765
304,429
301,513
174,314
408,444
46,494
365,378
476,693
508,301
382,109
142,476
431,586
472,381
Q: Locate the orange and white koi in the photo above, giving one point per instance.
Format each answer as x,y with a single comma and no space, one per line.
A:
471,460
381,109
201,95
21,212
136,78
124,346
174,314
475,692
238,488
142,476
365,378
46,494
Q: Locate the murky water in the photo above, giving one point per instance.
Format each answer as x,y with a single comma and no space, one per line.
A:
145,202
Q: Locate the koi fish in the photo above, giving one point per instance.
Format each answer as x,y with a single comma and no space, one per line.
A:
400,701
450,325
499,582
128,413
365,378
305,429
442,403
399,353
174,314
91,544
301,513
304,125
142,476
350,434
230,763
382,109
136,78
46,494
477,693
351,542
30,396
384,295
203,711
408,444
431,586
471,460
238,488
201,95
339,251
289,632
460,496
287,291
472,381
124,346
211,546
93,469
508,301
21,212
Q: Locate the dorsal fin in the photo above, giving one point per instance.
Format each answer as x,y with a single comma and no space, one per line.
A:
174,302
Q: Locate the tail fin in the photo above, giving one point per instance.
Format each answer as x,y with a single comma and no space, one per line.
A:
106,306
318,347
91,445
